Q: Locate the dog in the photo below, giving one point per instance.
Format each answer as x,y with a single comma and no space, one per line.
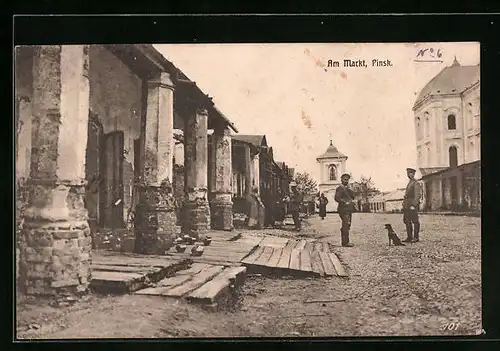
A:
393,237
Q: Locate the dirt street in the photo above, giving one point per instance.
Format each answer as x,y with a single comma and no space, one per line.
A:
424,288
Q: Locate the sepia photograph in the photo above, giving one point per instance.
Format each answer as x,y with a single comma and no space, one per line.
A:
172,190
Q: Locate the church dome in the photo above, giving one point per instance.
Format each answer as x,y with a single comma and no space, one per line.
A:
453,79
332,152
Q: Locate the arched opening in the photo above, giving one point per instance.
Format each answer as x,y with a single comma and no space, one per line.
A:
419,132
453,156
452,122
332,171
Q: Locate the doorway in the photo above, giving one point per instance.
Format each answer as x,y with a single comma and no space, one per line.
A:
428,195
453,156
454,192
111,198
93,172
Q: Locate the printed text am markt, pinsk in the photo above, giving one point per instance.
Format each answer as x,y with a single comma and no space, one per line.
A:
360,63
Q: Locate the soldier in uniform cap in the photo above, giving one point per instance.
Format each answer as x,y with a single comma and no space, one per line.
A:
411,202
345,198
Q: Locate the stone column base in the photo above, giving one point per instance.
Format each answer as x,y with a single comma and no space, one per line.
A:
156,221
55,244
221,208
196,219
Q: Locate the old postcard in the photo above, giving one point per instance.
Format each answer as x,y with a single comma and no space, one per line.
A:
282,190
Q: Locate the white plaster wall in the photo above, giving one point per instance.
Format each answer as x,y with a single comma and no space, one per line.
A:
439,138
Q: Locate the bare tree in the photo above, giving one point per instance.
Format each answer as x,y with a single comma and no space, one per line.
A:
305,183
364,188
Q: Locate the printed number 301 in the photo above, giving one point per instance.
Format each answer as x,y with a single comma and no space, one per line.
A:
451,326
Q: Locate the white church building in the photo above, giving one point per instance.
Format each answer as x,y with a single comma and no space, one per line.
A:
448,135
332,165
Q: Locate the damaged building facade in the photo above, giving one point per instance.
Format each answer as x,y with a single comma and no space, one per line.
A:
254,167
96,152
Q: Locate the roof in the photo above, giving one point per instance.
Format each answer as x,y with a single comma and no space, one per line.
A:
453,79
431,170
256,140
463,166
280,164
332,152
395,195
148,53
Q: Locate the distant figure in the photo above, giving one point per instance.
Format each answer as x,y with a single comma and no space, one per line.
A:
411,202
296,200
345,198
269,209
256,215
323,201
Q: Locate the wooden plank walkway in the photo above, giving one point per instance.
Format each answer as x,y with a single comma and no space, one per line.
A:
295,256
222,250
114,272
201,284
211,278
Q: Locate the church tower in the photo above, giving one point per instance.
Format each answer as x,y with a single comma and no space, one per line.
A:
332,165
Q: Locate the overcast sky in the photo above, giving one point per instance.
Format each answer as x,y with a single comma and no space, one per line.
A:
287,92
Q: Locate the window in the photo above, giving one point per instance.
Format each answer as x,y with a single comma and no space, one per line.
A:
426,127
472,152
428,154
332,171
453,156
419,134
452,123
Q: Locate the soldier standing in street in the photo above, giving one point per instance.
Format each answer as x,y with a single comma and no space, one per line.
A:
345,198
411,204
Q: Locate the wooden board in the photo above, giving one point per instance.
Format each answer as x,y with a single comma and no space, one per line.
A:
117,282
301,244
284,261
275,257
114,261
116,276
195,268
194,283
327,264
209,291
160,261
316,264
274,242
338,265
295,260
130,269
253,256
305,261
264,258
214,262
324,247
165,285
211,256
309,246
